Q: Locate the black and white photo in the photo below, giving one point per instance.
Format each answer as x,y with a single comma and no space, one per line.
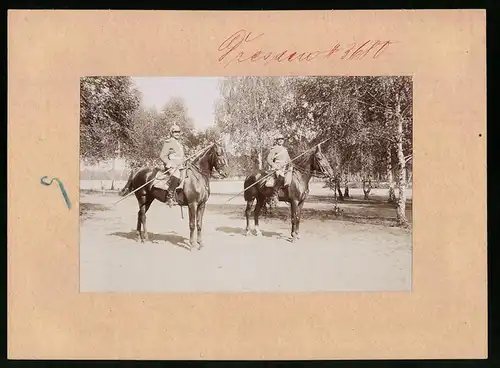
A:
258,184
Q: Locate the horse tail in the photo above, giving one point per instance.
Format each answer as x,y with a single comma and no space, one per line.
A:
128,186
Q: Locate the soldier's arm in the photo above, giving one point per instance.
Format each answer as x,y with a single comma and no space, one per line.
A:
164,153
270,157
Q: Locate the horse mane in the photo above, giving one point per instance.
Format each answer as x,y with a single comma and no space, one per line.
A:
304,160
202,156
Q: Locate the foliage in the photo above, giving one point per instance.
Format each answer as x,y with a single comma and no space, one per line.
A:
107,105
150,128
367,119
249,110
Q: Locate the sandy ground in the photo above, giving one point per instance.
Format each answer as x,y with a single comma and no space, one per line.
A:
359,251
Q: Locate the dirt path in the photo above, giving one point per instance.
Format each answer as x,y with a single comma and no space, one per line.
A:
332,255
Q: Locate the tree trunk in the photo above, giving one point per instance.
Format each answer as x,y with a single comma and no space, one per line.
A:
259,159
367,187
390,179
401,201
346,183
338,189
113,173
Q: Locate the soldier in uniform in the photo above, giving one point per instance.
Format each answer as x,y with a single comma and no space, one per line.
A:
277,159
173,156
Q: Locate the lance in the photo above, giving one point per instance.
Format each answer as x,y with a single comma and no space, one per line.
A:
172,168
272,172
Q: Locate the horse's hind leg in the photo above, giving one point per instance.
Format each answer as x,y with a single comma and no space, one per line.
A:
146,208
141,217
138,229
248,211
293,217
140,200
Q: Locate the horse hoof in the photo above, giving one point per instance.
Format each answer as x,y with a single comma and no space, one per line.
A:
248,233
297,236
258,233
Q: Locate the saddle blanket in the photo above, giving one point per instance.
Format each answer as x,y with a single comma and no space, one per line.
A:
271,181
161,180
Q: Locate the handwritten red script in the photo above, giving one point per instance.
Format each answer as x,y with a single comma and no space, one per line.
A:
242,47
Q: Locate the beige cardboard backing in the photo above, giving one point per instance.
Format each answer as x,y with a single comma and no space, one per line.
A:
444,316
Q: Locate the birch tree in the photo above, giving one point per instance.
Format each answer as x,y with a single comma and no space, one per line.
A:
249,110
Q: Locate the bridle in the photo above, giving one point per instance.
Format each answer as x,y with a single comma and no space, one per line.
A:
217,160
323,174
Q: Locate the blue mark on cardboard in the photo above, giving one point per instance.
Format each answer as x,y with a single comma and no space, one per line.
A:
61,186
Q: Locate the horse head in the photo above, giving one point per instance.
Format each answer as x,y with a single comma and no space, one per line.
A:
321,164
219,159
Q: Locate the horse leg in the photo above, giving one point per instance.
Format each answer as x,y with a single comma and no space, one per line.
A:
248,210
256,214
297,224
142,202
192,223
138,228
293,217
142,216
199,223
146,208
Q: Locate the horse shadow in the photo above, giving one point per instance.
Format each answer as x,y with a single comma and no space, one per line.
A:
241,231
174,239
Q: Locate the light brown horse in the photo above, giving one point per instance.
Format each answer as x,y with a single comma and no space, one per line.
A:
304,168
194,194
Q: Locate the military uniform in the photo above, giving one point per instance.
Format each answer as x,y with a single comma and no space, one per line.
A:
173,155
279,159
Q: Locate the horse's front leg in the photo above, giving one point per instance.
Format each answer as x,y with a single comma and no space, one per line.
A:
199,223
297,224
293,218
192,224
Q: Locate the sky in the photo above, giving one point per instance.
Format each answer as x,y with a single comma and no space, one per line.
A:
198,93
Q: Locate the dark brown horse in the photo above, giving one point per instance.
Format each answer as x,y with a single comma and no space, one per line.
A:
194,194
304,168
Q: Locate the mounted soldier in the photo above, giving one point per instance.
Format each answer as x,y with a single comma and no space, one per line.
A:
279,160
173,155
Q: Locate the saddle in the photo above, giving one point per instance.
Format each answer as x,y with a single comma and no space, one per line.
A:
270,181
162,180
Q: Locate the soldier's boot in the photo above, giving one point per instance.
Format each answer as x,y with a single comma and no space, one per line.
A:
180,183
274,200
171,191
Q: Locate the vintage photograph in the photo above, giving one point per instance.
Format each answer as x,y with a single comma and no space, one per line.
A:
246,184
